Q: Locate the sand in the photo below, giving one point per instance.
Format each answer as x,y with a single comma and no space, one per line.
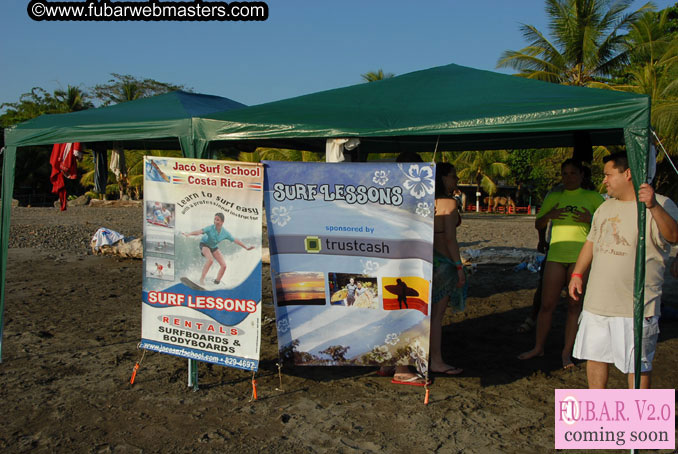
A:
72,324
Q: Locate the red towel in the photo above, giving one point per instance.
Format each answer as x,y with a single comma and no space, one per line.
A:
64,164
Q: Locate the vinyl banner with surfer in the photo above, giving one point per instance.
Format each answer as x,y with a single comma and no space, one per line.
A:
351,261
202,260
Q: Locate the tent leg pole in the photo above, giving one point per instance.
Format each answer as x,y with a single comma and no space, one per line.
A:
7,191
193,374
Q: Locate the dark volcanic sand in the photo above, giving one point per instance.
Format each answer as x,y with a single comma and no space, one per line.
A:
72,323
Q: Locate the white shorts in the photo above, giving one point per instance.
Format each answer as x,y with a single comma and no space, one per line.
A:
610,340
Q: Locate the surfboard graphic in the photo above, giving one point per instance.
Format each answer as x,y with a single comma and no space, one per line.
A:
395,289
192,285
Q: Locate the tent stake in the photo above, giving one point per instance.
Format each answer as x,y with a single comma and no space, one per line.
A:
136,367
279,364
254,388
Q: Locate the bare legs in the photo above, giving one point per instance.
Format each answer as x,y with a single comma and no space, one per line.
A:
209,259
222,263
645,380
556,275
597,373
436,363
208,263
571,325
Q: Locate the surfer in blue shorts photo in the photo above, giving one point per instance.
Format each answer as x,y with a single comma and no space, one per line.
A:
212,235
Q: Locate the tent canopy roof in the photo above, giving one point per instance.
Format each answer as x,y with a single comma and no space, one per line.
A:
468,108
163,116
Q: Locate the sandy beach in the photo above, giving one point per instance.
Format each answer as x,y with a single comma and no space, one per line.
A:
73,321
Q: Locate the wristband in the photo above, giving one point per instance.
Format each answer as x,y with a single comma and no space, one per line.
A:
459,267
458,263
580,276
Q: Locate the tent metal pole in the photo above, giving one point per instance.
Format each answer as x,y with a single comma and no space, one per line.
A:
8,163
193,374
637,150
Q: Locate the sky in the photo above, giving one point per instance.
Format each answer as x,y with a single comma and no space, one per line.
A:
303,47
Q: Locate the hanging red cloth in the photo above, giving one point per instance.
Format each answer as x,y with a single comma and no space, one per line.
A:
64,164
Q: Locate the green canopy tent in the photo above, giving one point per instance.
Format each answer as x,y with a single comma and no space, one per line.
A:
452,108
161,122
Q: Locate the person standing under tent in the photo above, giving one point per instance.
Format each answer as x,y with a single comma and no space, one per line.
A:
449,277
528,324
606,333
542,246
212,235
570,212
448,274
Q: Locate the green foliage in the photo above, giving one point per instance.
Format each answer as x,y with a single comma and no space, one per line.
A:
482,168
586,42
601,44
280,154
521,163
38,102
123,87
135,171
373,76
535,172
672,22
32,168
653,47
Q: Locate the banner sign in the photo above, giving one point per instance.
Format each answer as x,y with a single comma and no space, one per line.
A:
202,260
351,261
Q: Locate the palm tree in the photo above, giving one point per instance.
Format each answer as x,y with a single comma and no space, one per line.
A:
73,99
586,42
279,154
374,76
482,168
135,168
654,72
135,172
123,87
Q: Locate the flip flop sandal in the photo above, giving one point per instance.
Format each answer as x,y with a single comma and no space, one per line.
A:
416,380
449,372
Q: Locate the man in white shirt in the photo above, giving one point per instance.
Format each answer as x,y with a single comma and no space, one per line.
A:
605,333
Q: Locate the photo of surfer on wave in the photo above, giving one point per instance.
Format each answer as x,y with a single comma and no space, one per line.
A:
212,235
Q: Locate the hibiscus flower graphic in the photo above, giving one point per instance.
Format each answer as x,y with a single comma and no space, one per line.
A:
418,180
280,216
